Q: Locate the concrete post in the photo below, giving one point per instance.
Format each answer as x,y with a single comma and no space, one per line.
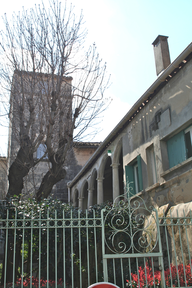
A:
90,198
81,203
100,190
115,177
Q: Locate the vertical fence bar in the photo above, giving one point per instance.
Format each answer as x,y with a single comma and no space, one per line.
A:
72,256
144,263
114,276
181,247
167,243
56,248
122,278
95,242
80,270
129,263
160,251
14,247
6,247
31,259
137,271
64,275
105,272
175,254
87,230
47,226
39,247
23,248
152,267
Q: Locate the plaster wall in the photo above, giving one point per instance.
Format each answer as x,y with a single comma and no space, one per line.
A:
83,154
159,118
165,115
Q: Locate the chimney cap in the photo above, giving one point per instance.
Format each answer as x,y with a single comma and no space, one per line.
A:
159,37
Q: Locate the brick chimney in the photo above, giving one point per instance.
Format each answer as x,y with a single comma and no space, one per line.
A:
161,52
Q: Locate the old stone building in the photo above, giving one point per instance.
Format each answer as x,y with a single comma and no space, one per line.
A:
34,92
3,177
151,147
77,157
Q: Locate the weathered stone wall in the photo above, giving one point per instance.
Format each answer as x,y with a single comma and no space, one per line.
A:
82,154
3,177
175,232
168,113
75,159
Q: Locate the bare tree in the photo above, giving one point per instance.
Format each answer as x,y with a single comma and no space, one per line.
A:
56,90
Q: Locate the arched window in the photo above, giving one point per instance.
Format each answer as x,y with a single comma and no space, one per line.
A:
41,150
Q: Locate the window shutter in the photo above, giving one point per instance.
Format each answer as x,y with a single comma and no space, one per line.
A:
140,173
130,178
188,145
176,149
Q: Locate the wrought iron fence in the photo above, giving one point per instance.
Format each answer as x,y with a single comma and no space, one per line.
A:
59,251
69,248
176,238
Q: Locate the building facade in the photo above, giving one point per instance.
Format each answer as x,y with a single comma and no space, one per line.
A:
150,149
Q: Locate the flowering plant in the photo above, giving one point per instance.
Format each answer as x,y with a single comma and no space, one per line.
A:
145,278
35,283
180,275
175,276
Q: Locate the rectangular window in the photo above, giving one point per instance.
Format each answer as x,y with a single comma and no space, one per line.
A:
151,165
134,175
179,147
188,142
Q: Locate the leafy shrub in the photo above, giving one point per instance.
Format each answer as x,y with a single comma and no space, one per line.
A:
48,210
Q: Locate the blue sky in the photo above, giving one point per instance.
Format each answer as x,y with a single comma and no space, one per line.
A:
123,31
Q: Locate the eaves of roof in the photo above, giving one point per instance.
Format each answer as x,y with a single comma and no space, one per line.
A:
86,144
41,74
161,81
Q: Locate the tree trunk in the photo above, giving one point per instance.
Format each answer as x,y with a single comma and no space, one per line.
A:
19,169
49,180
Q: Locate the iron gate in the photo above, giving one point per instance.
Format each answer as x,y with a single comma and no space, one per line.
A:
129,248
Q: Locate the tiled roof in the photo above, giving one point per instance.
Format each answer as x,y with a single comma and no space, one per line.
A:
86,144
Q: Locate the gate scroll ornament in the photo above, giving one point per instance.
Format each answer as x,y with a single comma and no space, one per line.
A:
125,226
